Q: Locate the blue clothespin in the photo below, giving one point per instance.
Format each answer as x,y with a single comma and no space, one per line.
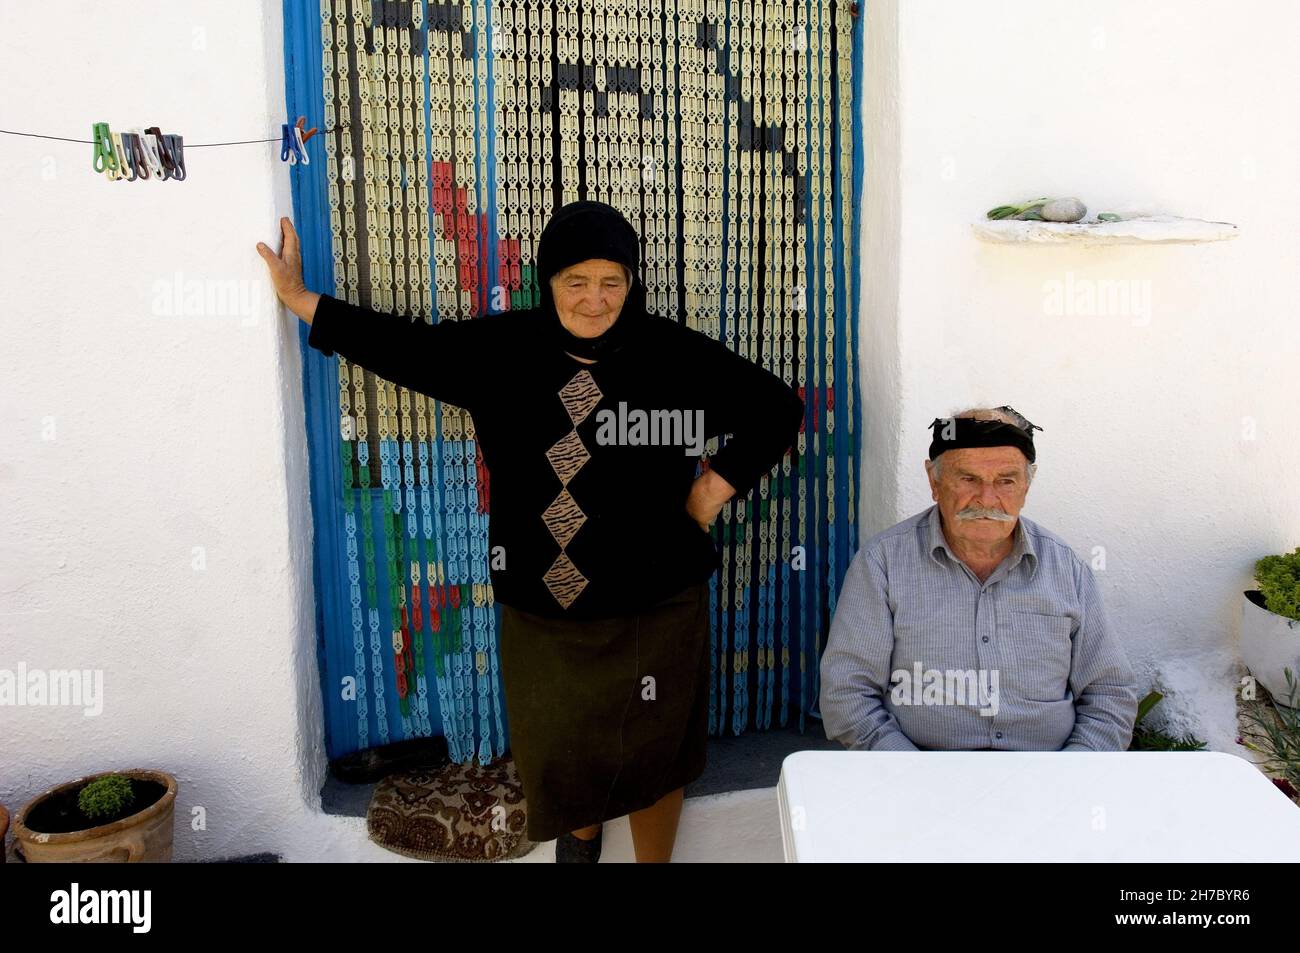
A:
288,146
131,157
176,149
293,142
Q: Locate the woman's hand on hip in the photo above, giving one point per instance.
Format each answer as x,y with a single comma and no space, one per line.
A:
708,494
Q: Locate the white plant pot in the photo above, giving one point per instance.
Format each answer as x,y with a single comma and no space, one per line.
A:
1269,644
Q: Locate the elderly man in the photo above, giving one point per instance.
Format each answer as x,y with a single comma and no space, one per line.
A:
968,626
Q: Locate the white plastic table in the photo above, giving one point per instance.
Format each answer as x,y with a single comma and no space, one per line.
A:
959,806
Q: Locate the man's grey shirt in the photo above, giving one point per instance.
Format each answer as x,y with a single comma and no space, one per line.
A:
1038,621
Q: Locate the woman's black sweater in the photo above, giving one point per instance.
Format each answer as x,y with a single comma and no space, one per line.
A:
587,519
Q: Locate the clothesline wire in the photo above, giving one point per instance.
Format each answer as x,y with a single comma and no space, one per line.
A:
199,145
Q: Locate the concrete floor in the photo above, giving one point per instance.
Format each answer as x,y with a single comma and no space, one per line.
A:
740,827
730,814
745,763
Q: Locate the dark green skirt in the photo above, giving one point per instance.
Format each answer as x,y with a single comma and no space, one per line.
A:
606,716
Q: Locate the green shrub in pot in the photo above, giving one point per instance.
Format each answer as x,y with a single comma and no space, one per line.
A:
1270,623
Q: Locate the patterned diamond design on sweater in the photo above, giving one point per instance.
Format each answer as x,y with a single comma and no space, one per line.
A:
580,396
567,456
564,580
563,518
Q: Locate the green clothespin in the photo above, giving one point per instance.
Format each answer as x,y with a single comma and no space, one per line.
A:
105,157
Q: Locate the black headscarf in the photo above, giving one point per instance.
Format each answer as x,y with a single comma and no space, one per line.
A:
972,432
576,232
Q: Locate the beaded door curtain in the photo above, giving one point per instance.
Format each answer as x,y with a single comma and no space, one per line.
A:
728,134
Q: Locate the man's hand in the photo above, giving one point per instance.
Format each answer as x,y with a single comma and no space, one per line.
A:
708,494
286,273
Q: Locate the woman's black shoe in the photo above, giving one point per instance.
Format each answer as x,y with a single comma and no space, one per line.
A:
575,850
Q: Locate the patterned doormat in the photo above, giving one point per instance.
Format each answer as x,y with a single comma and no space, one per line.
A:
459,813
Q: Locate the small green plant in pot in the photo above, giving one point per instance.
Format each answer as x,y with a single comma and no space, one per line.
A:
106,798
1270,623
113,816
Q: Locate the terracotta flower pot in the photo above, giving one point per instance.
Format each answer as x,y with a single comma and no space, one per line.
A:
144,836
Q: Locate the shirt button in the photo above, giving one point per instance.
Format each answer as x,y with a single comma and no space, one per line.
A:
998,735
986,638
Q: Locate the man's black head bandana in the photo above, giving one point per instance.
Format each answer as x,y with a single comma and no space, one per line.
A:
955,433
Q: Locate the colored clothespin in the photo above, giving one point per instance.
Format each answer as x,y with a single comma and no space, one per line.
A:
165,160
176,149
105,160
305,133
132,158
176,143
288,145
149,151
293,142
144,155
124,161
115,143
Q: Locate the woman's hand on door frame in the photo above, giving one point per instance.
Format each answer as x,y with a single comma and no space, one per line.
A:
286,272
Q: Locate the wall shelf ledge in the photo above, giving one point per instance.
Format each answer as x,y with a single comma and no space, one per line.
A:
1145,230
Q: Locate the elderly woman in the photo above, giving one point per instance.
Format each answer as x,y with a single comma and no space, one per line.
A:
590,415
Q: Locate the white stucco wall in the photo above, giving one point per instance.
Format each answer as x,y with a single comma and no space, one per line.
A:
154,488
154,485
1146,449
